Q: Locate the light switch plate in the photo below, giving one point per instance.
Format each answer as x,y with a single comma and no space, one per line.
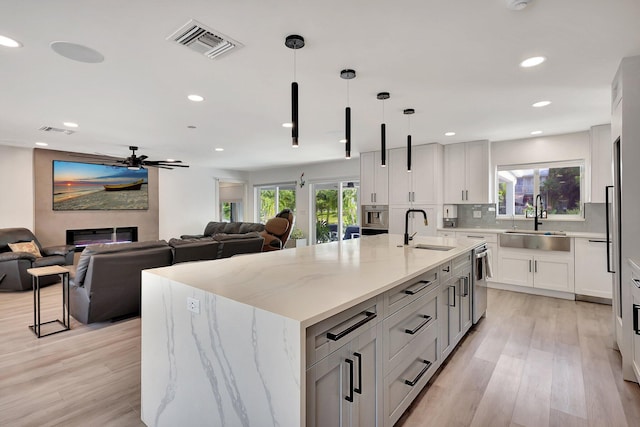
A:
477,214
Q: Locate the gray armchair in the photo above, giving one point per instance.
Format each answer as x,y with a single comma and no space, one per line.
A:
14,265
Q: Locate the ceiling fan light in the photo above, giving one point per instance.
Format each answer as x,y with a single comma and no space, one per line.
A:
533,61
133,168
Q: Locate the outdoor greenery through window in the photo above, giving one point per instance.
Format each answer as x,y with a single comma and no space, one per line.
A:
560,185
334,220
273,199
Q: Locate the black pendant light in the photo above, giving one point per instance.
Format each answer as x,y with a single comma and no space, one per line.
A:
347,74
383,131
408,113
294,42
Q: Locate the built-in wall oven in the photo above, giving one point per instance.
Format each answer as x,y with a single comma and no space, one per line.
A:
375,219
479,268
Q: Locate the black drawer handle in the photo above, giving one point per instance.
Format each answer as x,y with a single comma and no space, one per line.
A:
420,326
359,389
420,374
335,337
636,282
349,398
446,270
597,241
417,287
636,308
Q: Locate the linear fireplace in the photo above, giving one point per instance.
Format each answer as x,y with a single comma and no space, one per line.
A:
93,236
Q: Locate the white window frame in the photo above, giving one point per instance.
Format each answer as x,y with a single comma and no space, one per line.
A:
276,188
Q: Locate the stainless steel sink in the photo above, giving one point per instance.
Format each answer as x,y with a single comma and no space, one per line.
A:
433,247
540,240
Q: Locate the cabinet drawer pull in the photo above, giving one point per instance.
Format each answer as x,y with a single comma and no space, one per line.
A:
417,287
636,308
465,288
466,193
359,389
597,241
349,397
446,270
636,282
369,316
420,326
535,266
475,237
529,266
462,197
420,374
454,296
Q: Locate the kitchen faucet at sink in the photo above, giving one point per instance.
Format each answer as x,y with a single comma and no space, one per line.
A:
537,215
406,223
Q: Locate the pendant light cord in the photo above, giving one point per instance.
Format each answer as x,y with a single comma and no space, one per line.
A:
294,65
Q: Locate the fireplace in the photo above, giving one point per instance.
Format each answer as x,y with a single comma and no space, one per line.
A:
93,236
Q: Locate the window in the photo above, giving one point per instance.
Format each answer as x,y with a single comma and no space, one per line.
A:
336,210
560,185
272,199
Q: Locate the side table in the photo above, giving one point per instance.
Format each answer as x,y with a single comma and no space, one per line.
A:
36,274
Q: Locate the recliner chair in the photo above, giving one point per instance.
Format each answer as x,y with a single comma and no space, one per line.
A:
276,231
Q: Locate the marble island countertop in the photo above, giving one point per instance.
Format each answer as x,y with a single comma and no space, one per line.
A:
313,283
581,234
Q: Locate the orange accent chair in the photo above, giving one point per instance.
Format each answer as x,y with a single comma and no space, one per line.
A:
276,231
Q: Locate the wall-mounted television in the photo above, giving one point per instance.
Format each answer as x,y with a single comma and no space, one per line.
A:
90,186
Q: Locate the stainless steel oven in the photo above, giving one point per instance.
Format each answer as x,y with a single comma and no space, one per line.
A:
375,218
479,288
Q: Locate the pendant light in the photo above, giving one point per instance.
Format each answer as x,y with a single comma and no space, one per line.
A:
347,74
383,131
294,42
408,113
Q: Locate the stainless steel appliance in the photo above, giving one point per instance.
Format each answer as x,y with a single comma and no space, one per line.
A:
479,289
375,219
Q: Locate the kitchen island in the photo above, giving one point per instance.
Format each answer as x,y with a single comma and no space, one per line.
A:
238,341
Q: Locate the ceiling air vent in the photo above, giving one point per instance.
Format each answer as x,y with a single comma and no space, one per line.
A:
203,40
52,129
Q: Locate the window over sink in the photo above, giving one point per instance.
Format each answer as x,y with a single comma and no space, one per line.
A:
560,184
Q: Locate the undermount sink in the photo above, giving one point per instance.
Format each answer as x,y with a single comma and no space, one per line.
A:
540,240
433,247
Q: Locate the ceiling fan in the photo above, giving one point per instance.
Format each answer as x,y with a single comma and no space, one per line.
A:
135,162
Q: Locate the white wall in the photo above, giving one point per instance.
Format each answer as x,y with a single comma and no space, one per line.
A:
338,170
188,199
17,189
571,146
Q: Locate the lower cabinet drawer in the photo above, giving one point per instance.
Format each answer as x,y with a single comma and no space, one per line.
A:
405,382
406,326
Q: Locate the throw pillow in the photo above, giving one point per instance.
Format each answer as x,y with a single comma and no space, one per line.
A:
28,247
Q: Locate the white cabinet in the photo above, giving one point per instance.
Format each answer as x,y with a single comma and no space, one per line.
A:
591,276
634,287
538,269
466,171
455,303
416,220
601,163
374,180
423,184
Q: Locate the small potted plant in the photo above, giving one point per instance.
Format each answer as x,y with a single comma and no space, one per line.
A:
297,238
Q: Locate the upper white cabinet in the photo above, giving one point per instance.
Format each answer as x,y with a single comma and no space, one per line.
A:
466,171
374,180
423,184
601,165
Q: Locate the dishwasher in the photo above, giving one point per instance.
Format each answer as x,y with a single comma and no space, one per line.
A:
479,287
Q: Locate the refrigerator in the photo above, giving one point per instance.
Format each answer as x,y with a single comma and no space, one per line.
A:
623,213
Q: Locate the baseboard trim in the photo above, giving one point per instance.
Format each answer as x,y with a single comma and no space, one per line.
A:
597,300
533,291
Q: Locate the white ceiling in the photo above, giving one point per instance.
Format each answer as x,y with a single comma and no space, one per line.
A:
454,62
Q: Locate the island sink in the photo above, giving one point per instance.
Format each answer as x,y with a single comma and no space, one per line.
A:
433,247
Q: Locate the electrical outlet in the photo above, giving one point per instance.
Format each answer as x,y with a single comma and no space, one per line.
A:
477,214
193,305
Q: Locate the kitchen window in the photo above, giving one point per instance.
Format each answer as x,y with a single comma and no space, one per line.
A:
271,199
560,184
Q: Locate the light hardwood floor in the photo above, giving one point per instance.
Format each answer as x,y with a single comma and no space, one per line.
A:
533,361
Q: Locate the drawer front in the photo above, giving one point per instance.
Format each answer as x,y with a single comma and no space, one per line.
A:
461,262
404,383
406,328
490,237
410,291
329,335
445,272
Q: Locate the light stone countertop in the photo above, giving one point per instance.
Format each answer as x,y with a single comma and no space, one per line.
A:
579,234
313,283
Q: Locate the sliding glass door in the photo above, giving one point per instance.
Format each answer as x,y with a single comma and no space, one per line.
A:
335,207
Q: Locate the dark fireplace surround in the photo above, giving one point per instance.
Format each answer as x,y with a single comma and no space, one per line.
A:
92,236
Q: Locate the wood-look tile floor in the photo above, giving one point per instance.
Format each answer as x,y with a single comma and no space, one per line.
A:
533,361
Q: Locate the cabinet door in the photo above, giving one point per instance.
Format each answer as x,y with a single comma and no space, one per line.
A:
367,178
443,319
328,385
396,219
423,175
516,269
367,356
553,273
381,178
454,173
455,320
635,343
466,315
591,276
416,221
399,186
477,172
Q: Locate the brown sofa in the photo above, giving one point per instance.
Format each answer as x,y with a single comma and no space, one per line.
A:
216,227
14,265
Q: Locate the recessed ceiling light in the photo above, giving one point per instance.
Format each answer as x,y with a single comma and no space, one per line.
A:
533,61
8,42
449,134
195,98
344,141
536,132
41,144
541,104
77,52
70,124
287,125
219,149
